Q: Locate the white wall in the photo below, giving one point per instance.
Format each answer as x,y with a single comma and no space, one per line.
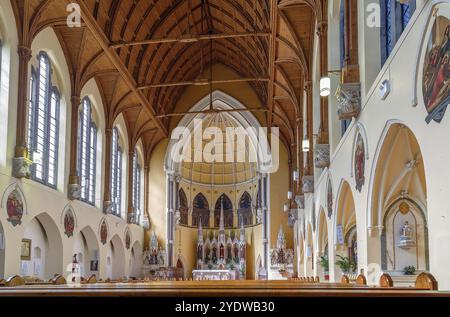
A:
375,119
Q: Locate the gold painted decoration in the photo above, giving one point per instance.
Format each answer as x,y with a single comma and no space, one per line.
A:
404,208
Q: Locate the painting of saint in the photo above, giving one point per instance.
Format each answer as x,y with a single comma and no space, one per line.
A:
436,73
329,199
14,208
359,162
103,232
69,223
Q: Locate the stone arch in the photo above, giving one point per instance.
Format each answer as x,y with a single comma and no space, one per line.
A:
398,179
46,252
244,212
345,220
322,242
227,211
200,210
116,256
86,244
135,260
2,251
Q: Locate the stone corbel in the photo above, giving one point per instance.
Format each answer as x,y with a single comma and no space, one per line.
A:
21,167
321,155
132,218
74,188
108,207
349,100
300,201
308,184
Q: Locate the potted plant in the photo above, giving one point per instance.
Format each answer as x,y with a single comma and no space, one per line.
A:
345,264
409,270
324,263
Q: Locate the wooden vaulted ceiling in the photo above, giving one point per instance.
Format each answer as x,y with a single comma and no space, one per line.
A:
137,49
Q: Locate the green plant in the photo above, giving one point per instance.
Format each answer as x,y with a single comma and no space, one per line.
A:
409,270
324,262
346,264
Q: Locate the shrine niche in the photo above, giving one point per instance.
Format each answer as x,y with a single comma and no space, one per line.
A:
200,211
69,222
405,237
154,260
14,207
245,210
227,212
184,208
281,258
359,162
436,72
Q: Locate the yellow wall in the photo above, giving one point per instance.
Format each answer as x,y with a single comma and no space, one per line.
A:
186,238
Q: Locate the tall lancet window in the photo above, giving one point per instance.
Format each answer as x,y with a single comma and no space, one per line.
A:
87,149
137,186
43,123
394,19
116,173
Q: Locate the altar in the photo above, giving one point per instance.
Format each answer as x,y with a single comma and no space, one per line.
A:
215,275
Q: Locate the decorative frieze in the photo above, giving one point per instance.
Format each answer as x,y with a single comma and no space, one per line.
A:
308,184
349,100
322,155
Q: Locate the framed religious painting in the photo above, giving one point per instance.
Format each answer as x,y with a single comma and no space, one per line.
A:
25,250
436,72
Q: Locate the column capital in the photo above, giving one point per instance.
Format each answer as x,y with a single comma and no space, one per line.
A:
25,53
322,28
75,99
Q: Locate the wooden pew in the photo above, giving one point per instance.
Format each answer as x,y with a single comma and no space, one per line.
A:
386,281
15,280
58,280
426,281
92,279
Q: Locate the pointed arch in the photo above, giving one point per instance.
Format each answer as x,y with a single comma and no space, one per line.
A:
244,212
200,210
227,211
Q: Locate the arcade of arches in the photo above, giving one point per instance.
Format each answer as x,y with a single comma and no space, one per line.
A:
342,168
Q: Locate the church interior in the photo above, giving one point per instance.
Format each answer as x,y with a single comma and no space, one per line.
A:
259,146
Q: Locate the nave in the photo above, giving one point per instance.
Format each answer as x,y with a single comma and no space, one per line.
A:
273,147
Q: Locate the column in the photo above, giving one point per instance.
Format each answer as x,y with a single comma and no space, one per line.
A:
74,186
322,32
146,211
107,201
265,220
131,213
21,161
170,212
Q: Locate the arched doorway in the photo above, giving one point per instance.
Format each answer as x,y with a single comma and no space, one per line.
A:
41,249
322,241
399,204
224,201
309,252
115,259
87,252
135,260
346,238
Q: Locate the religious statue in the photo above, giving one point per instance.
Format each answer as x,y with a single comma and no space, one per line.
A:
406,236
